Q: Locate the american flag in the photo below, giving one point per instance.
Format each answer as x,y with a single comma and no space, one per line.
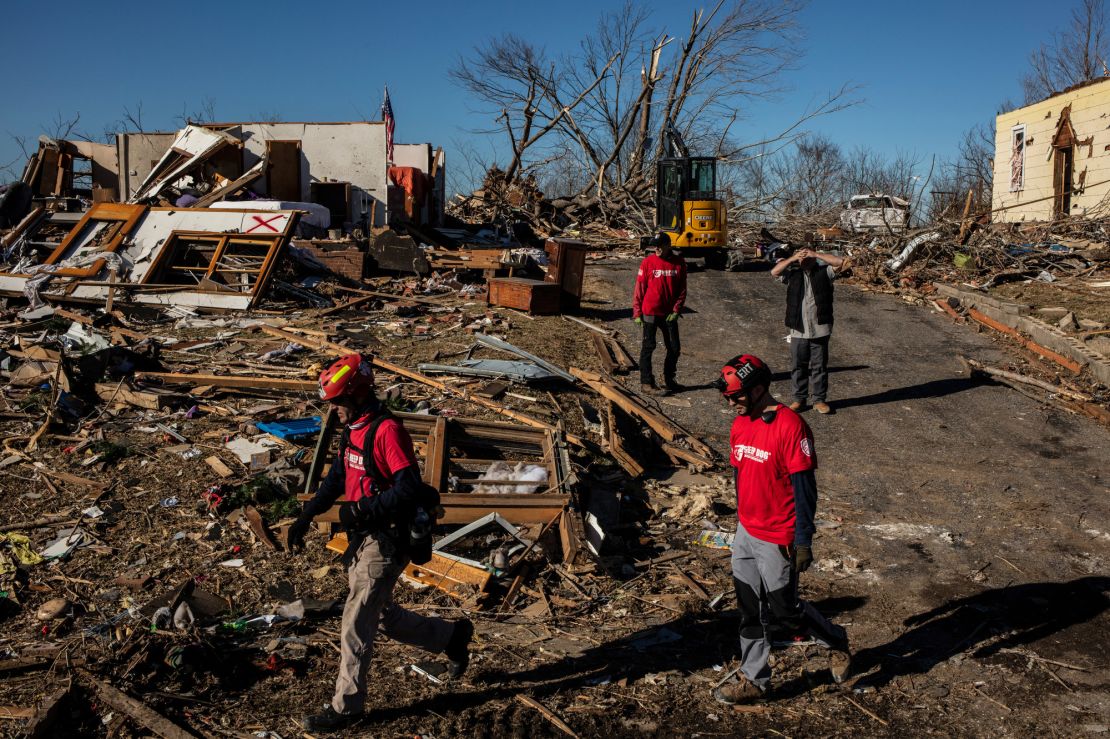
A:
390,124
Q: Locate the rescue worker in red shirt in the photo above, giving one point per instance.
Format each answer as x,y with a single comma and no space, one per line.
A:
377,476
656,303
776,499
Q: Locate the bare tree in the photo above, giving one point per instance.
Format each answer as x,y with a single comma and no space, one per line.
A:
1076,54
604,110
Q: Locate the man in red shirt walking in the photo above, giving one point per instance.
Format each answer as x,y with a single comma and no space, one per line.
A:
377,476
776,499
656,303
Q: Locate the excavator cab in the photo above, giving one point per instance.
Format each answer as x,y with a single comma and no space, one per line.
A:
687,206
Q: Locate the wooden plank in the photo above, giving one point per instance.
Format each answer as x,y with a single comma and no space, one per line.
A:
692,584
1069,364
139,398
74,479
218,466
457,579
321,345
660,424
16,712
144,716
464,508
435,463
230,381
345,306
547,714
82,319
616,444
625,360
685,456
602,349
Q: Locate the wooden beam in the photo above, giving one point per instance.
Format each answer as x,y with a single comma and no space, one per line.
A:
143,715
660,424
468,507
435,461
1065,362
242,382
616,444
457,579
345,306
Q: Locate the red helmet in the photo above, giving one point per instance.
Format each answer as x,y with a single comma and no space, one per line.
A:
349,376
741,374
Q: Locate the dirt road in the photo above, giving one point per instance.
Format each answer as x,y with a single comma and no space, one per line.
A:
937,492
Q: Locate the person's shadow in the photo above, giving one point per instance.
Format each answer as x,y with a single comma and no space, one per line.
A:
1024,613
690,643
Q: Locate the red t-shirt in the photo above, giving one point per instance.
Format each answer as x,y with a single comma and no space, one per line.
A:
660,286
392,452
765,455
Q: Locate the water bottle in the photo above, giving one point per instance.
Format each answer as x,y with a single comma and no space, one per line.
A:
420,537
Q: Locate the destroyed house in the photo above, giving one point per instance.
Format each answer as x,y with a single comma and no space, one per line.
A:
341,166
1052,158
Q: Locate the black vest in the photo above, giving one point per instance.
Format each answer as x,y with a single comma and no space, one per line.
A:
822,295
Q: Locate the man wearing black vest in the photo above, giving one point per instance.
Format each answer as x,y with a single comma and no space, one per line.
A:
808,276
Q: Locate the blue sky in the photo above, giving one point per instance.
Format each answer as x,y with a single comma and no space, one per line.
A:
928,71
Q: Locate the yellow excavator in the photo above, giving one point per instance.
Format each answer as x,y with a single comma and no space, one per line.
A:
686,202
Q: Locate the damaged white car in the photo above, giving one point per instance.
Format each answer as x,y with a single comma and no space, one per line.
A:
875,213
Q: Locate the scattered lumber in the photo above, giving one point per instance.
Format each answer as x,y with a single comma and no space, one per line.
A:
1008,377
143,715
613,357
660,424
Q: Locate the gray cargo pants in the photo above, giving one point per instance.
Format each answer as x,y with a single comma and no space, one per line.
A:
767,592
811,363
372,575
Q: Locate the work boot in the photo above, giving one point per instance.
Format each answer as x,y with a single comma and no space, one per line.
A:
672,386
649,387
329,720
458,648
822,407
739,693
797,406
840,664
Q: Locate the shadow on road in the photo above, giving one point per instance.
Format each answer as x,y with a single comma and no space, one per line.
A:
703,641
1027,613
931,389
783,376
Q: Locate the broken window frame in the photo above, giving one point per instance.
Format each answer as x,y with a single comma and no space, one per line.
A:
223,242
444,444
1017,157
124,215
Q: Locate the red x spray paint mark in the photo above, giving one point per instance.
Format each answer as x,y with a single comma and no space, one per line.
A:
260,222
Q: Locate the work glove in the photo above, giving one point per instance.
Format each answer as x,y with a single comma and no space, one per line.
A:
294,540
803,558
638,320
672,317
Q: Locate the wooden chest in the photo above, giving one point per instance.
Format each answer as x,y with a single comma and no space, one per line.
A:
567,267
533,296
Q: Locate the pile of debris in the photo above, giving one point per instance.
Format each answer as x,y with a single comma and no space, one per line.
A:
151,462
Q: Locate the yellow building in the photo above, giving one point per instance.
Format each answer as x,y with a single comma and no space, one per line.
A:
1052,158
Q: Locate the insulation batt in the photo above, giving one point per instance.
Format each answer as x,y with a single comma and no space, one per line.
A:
516,472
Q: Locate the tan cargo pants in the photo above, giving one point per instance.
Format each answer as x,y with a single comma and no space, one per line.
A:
372,574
